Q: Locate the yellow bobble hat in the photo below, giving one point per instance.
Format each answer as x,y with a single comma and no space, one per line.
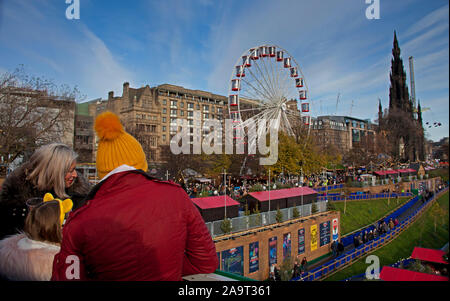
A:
116,147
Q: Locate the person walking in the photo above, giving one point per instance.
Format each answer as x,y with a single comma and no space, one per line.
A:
334,248
340,248
132,226
304,265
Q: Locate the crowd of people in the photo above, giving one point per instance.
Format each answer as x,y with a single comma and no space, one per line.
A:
300,266
237,187
380,228
115,230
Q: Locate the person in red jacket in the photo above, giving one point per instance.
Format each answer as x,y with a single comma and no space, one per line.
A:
132,226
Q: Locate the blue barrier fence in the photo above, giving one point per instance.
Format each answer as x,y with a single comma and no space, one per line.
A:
350,255
364,196
330,187
348,239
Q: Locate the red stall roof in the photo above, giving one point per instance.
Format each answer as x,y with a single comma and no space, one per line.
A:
214,202
406,170
395,274
430,255
282,193
386,172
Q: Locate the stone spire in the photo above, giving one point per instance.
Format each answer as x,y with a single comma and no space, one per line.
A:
380,115
398,91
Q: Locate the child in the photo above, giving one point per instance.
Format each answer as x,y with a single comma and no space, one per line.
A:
28,256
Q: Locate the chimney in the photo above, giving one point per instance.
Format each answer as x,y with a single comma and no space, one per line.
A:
111,95
126,85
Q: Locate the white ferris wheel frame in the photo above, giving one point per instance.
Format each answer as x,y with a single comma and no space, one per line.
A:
268,108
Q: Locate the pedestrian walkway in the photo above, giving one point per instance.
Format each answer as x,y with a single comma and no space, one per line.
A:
403,214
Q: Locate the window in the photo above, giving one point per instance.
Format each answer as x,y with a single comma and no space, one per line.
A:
164,119
173,112
181,113
164,128
163,137
164,101
152,155
173,103
206,108
190,105
152,141
181,104
164,111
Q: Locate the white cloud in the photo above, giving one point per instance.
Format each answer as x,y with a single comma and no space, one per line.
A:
436,16
67,51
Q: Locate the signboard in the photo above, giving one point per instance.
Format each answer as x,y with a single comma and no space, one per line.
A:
218,257
301,241
313,237
272,250
335,229
286,245
324,233
233,260
253,257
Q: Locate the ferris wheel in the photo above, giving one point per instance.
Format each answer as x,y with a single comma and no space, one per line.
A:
267,84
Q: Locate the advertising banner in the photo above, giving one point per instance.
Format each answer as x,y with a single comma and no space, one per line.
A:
272,250
335,229
253,257
233,260
313,237
301,241
286,245
325,233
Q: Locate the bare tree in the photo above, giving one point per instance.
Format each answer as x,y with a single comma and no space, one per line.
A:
33,111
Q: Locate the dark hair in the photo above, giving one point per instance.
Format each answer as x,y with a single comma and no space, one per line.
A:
43,222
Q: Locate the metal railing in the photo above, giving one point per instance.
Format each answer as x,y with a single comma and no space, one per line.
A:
243,223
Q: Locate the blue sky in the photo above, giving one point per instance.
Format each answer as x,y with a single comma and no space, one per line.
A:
196,44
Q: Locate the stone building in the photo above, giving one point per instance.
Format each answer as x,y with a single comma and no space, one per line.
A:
405,132
343,132
150,114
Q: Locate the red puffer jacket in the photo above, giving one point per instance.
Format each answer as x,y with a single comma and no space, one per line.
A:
134,227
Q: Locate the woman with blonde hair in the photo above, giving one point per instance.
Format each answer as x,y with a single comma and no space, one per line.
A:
28,256
51,168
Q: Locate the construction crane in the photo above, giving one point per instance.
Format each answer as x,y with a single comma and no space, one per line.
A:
337,101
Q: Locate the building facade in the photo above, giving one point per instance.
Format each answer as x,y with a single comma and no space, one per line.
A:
150,114
343,132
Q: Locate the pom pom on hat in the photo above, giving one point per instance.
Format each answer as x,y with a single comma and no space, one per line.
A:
108,126
116,147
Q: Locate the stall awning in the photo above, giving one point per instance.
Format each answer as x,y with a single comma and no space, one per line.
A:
406,170
282,193
430,255
395,274
214,202
386,172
